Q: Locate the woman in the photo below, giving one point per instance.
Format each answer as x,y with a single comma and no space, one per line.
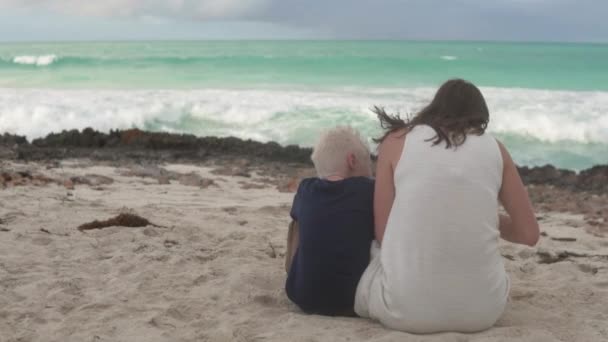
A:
435,263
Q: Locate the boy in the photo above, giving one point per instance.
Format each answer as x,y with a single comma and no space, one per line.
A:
328,242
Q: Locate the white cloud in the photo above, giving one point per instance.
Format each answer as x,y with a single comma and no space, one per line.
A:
200,9
229,8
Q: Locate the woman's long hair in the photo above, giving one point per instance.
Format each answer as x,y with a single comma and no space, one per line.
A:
457,109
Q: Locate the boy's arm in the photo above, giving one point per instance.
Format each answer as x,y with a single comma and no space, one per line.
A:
293,234
293,239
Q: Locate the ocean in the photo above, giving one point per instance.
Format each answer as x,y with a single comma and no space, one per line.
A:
548,102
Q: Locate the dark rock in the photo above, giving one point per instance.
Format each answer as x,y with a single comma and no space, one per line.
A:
88,138
180,145
548,174
11,140
149,147
594,179
22,178
7,153
25,174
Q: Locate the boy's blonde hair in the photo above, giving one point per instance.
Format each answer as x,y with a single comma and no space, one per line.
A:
332,148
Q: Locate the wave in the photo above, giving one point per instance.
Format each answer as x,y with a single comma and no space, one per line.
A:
568,129
42,60
52,59
186,60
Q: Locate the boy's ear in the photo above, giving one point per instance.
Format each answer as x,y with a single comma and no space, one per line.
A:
351,159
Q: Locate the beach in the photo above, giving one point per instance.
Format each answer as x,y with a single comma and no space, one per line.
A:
208,265
145,186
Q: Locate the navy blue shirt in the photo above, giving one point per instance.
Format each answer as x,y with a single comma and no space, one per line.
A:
336,227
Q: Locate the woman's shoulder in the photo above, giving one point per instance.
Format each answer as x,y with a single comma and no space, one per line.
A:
399,134
393,140
391,148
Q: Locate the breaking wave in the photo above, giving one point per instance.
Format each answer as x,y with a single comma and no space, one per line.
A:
42,60
567,129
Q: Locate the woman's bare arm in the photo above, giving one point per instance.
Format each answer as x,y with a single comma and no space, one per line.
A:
384,193
520,226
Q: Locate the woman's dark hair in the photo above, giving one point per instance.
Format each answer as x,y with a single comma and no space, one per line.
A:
457,109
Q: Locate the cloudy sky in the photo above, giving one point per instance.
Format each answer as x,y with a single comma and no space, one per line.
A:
516,20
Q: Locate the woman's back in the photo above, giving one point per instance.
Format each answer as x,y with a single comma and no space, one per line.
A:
439,268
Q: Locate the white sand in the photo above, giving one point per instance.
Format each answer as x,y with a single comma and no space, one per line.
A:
215,273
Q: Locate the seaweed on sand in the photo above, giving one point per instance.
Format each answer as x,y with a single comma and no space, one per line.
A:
122,220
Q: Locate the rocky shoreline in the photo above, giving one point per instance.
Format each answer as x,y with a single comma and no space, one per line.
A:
138,146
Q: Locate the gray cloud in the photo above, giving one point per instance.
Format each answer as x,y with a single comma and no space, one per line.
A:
370,19
454,19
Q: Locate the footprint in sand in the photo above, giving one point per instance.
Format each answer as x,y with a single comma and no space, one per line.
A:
170,243
234,236
42,241
601,284
230,210
200,279
150,232
141,248
174,317
265,300
588,268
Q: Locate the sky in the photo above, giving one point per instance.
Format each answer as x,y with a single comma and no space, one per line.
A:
502,20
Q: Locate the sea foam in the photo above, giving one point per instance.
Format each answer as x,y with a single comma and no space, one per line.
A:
42,60
574,121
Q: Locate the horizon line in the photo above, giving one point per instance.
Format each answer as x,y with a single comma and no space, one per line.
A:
500,41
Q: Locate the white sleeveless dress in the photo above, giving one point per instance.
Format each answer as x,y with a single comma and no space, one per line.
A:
439,267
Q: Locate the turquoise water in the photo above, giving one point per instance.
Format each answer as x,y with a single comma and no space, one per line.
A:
326,63
549,102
